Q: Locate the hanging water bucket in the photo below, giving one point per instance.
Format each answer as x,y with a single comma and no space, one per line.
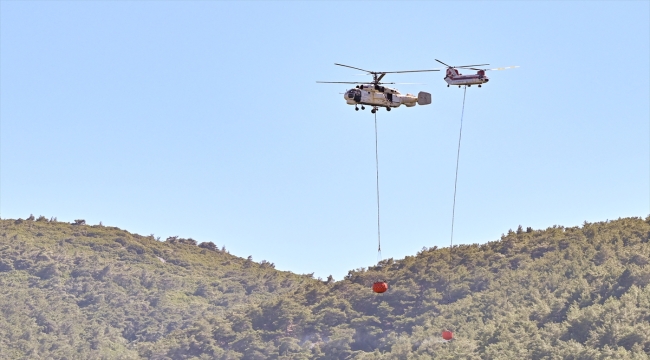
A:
379,287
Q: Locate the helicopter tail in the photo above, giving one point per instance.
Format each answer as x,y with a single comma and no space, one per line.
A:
424,98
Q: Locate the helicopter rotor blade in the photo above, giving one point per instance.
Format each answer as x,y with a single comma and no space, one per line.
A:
442,63
356,68
501,68
504,68
383,72
468,66
407,71
369,83
342,82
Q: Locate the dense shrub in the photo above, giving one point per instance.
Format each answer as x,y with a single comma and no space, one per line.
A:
100,292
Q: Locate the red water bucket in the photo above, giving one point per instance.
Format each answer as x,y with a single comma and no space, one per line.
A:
379,287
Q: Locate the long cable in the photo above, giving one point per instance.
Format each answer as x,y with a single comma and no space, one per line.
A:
377,171
453,211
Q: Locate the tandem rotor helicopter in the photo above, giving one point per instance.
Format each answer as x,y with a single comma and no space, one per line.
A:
376,95
453,77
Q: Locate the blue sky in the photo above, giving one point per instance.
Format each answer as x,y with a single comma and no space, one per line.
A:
203,119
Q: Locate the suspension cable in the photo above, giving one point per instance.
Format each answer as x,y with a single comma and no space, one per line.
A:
453,211
377,171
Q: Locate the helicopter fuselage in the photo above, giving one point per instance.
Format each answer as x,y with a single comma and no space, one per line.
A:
385,97
455,78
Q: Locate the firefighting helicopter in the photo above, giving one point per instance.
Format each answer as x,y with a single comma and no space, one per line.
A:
453,77
376,95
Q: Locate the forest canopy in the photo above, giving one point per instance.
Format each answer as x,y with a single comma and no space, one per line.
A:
74,290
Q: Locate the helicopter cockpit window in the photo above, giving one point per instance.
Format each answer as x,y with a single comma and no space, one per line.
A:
350,94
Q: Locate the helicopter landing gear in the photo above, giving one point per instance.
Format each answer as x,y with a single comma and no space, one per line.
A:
363,107
356,108
374,109
447,85
458,85
387,108
479,86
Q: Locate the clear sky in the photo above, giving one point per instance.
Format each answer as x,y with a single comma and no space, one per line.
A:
204,120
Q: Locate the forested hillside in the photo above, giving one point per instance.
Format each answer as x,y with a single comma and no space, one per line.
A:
78,291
